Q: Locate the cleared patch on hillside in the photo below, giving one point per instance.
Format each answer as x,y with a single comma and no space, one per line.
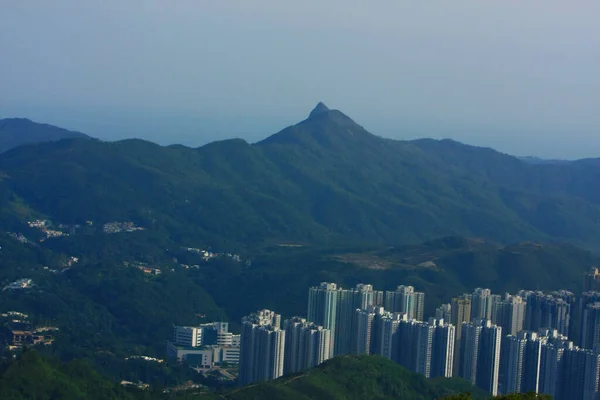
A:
375,262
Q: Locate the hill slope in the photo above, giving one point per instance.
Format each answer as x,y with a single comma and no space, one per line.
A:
325,179
279,278
32,377
365,377
15,132
104,306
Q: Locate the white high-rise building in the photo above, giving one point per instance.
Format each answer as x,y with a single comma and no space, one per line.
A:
513,352
479,304
480,354
581,372
306,345
533,361
293,359
444,312
335,308
552,363
405,351
405,300
521,362
482,303
590,327
349,300
469,348
510,314
388,336
316,342
548,311
488,363
423,346
460,312
262,347
323,307
364,329
583,301
443,348
346,320
551,368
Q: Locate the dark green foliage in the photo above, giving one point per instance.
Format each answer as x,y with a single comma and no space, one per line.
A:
105,310
324,180
279,277
326,184
15,132
33,378
365,377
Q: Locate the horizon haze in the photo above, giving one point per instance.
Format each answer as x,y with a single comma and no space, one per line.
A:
518,77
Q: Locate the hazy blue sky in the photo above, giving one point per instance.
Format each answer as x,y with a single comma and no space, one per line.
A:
519,76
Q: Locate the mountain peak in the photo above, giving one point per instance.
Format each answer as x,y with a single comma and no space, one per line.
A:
319,109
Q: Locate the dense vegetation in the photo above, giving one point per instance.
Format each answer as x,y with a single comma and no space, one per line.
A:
107,310
33,378
279,277
365,377
323,200
324,180
15,132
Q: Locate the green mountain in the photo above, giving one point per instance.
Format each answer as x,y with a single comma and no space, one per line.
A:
33,378
15,132
323,200
365,377
323,180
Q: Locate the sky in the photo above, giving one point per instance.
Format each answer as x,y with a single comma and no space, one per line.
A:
520,76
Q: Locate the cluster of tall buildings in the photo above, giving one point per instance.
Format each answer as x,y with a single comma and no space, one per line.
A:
548,342
525,342
336,308
269,350
339,321
262,347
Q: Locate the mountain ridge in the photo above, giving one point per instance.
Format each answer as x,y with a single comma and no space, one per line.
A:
15,132
325,178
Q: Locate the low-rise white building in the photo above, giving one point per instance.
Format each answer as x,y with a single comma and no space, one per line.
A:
204,346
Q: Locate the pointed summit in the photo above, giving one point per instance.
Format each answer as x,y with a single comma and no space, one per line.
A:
319,109
325,128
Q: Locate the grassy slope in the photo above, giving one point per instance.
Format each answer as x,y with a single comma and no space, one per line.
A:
365,377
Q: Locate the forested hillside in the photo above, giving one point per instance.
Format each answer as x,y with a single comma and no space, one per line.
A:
325,179
117,242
